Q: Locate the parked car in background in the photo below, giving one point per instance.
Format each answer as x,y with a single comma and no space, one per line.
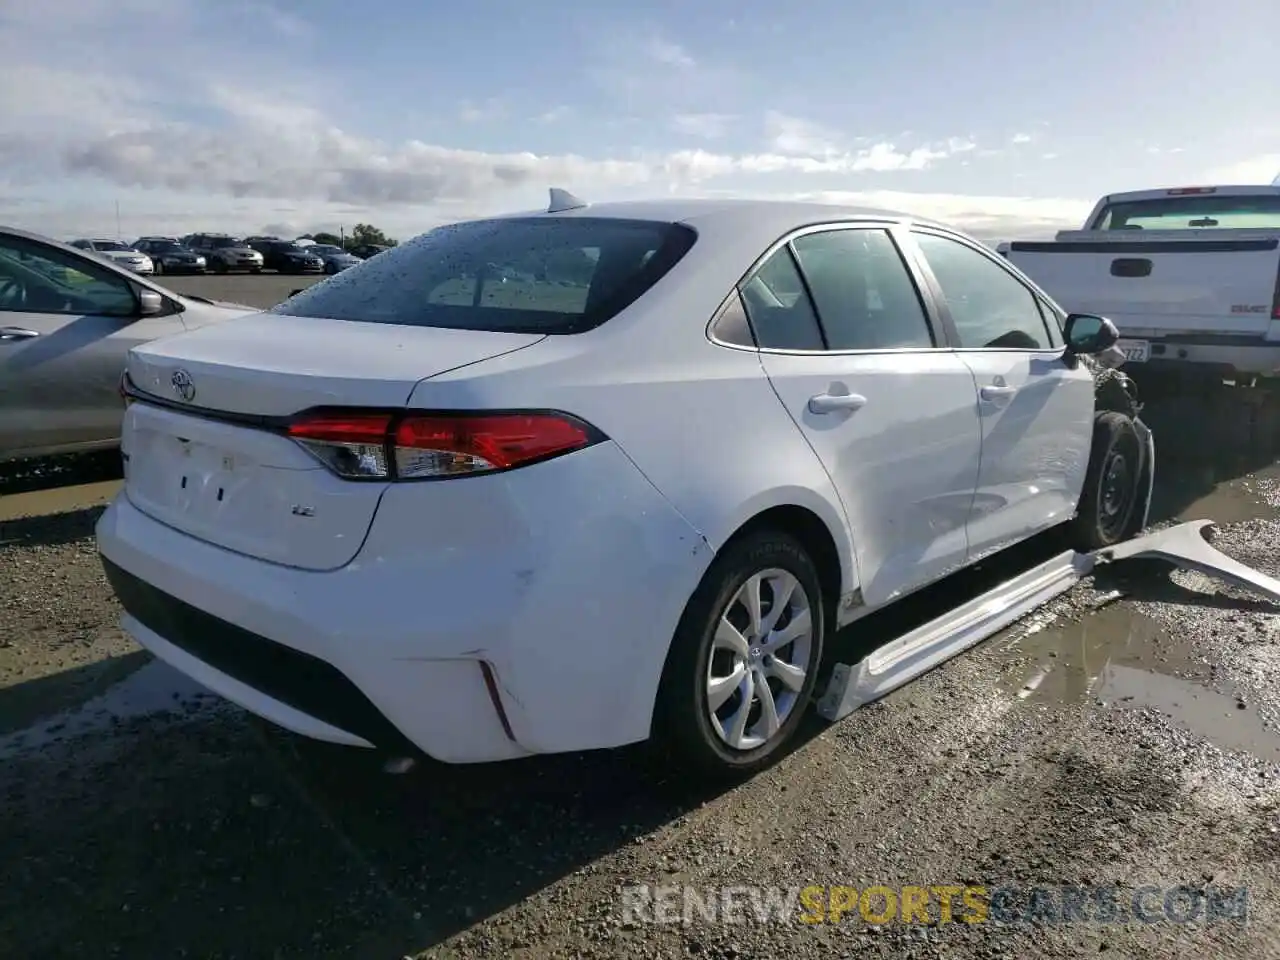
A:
225,253
366,250
335,258
285,256
67,320
634,505
1188,275
170,256
118,252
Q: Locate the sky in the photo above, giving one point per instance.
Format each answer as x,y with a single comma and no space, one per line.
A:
1008,118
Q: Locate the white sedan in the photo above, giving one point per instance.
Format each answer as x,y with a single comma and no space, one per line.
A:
426,506
120,254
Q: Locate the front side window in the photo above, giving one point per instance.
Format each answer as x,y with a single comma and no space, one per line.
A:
778,306
865,296
39,279
553,275
991,309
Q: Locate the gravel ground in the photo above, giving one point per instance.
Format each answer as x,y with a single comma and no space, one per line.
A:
1127,735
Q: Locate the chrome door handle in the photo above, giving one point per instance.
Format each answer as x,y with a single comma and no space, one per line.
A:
830,403
17,333
996,393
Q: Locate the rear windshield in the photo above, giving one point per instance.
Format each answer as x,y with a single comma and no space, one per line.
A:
1191,213
517,275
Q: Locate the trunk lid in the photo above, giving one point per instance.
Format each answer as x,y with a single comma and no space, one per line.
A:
226,479
1179,282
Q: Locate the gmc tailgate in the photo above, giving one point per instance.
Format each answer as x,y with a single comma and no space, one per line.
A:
1180,295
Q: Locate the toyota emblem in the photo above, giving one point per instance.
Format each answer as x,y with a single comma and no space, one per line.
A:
182,385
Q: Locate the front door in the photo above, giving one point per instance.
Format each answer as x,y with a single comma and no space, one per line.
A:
1036,411
852,354
66,325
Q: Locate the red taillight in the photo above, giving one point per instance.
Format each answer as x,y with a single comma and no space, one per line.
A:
358,445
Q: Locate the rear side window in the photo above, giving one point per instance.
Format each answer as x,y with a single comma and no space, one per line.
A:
778,305
512,275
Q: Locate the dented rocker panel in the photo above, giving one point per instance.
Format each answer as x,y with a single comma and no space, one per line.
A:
915,653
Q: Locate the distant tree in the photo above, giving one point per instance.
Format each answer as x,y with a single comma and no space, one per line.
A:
332,239
367,233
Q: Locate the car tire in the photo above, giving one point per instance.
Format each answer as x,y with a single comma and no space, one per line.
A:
686,730
158,270
219,267
1112,498
255,270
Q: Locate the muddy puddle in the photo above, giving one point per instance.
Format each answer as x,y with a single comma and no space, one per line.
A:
40,503
1211,491
1118,658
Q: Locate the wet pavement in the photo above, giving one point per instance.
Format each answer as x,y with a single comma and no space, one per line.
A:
1125,736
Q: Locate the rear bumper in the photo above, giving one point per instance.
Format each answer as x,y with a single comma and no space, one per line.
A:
568,597
1217,353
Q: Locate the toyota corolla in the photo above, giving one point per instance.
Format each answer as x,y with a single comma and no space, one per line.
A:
601,474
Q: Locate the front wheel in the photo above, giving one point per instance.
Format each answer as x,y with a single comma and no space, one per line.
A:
744,660
1111,497
158,270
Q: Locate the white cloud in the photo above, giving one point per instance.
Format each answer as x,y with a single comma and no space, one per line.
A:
708,126
1255,170
1020,138
988,218
484,112
671,54
795,135
555,114
80,125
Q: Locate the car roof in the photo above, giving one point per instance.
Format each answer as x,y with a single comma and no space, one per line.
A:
754,220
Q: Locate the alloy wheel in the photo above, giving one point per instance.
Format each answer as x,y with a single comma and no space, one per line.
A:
760,656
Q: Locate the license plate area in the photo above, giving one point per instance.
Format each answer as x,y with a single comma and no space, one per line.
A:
1135,351
250,491
190,479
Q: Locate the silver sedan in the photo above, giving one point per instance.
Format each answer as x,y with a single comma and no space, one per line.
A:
67,320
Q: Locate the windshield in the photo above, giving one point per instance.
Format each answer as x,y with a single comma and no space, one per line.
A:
325,249
1191,213
220,242
112,245
517,275
167,246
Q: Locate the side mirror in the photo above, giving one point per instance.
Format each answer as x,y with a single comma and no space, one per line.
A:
150,303
1087,334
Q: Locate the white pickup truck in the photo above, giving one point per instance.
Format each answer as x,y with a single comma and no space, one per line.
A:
1190,276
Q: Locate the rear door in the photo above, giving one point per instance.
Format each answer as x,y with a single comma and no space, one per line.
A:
66,325
1036,411
889,410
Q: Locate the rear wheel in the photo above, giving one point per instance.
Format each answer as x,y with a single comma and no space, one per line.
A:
1110,502
159,268
744,659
